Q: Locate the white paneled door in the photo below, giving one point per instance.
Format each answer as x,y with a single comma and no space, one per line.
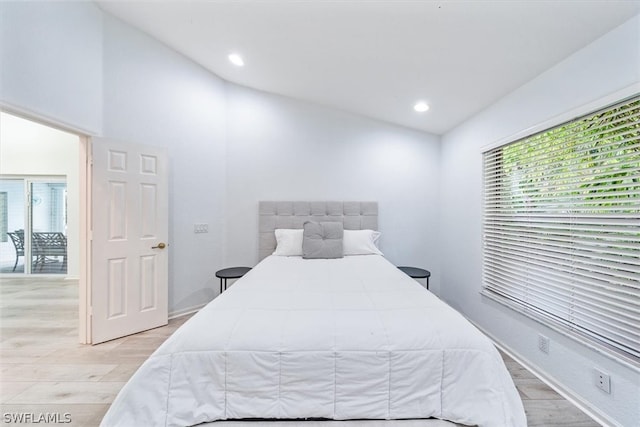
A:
129,247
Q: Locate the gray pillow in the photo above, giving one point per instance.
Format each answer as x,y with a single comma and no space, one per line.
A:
322,240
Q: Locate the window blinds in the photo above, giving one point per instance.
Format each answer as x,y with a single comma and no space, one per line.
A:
561,227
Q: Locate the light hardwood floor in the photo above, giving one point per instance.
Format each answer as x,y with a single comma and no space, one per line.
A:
44,370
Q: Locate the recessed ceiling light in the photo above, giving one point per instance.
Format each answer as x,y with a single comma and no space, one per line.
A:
421,106
236,59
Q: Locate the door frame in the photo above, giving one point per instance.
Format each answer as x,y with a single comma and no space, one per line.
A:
84,223
84,270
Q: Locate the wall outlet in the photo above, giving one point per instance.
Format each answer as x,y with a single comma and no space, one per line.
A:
603,381
200,228
543,344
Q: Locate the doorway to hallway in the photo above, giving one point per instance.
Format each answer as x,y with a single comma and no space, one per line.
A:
40,200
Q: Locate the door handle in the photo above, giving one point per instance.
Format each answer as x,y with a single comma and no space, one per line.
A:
160,246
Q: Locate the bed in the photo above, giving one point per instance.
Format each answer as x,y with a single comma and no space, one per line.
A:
345,338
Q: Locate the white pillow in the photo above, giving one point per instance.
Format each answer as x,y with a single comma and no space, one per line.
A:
288,242
361,242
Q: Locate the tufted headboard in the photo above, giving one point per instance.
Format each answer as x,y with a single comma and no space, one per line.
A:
272,215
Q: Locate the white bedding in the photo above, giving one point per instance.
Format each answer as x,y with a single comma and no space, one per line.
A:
341,339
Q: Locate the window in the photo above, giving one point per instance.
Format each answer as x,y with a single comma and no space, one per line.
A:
561,228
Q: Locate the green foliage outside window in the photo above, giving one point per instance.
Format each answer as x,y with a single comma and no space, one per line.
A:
594,163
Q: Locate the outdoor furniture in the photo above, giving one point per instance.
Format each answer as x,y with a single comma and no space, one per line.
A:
17,237
47,245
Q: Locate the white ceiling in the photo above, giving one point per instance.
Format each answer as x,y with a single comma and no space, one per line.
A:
377,58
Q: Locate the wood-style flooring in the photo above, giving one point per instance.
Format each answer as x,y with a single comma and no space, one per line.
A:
43,370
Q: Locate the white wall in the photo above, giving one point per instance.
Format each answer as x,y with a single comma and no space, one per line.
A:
28,148
51,56
604,67
283,149
152,95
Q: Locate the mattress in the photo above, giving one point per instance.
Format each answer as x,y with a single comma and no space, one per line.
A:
347,338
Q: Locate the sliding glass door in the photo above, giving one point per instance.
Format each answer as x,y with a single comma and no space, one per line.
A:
48,226
33,225
12,225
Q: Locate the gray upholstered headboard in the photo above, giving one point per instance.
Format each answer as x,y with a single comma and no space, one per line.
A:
353,216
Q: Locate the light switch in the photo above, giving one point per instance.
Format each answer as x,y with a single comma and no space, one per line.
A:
200,228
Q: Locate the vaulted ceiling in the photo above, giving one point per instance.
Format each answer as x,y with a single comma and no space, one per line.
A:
377,58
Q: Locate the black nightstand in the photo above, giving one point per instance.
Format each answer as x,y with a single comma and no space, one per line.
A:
231,273
416,273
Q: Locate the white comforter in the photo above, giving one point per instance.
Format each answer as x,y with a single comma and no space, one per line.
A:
341,339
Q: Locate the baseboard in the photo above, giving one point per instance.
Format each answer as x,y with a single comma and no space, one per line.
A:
575,399
185,311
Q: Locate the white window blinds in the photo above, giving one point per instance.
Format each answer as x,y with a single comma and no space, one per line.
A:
561,227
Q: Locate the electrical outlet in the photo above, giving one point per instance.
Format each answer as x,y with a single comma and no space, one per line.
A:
543,344
200,228
603,381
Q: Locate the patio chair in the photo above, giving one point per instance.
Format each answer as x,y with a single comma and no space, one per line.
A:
47,245
17,237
